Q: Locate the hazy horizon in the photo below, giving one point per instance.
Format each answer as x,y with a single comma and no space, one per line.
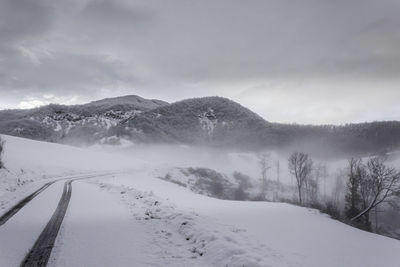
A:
38,105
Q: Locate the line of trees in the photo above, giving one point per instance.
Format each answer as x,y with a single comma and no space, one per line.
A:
302,168
307,176
360,191
369,186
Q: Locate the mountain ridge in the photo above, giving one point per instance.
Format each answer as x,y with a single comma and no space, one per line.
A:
208,121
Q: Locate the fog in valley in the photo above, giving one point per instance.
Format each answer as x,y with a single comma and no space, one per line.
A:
229,168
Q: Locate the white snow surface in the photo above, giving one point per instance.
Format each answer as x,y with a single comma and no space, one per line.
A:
99,231
29,164
132,218
21,231
236,233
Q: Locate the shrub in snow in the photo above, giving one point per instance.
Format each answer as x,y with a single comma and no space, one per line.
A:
244,184
333,210
213,183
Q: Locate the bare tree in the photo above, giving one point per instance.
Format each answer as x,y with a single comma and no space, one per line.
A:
278,182
1,152
319,172
355,173
312,191
278,172
278,177
324,176
338,191
300,166
264,162
379,185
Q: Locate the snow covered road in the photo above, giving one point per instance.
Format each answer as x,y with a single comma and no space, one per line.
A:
40,253
98,231
21,231
16,208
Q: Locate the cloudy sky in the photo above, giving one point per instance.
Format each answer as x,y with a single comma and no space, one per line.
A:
309,61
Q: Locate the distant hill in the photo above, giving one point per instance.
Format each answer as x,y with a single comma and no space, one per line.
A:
207,121
76,124
203,121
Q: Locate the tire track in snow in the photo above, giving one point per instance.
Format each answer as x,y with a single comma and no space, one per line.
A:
17,207
40,252
11,212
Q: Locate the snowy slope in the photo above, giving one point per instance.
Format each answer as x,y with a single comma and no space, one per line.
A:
136,219
235,233
32,163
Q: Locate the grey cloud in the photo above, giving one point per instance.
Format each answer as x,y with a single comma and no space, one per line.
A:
165,48
24,19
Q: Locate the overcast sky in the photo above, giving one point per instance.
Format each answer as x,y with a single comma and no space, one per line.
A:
309,61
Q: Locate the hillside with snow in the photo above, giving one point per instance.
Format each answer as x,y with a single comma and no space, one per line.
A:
123,212
78,124
203,121
207,121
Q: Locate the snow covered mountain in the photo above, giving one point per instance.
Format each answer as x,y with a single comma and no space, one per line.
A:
220,122
209,121
78,124
206,121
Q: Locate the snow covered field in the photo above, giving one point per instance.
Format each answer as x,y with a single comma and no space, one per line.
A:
129,217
